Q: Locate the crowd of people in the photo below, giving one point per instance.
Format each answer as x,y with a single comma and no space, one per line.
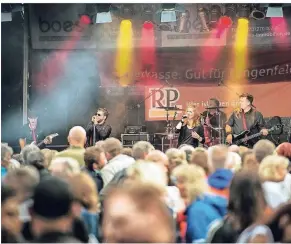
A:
108,193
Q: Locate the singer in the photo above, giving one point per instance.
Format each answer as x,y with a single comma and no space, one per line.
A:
97,130
190,130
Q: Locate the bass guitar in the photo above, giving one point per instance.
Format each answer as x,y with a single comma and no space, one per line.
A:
243,138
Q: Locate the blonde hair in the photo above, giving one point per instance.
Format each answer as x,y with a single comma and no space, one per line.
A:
193,177
148,173
84,189
48,156
269,167
174,153
196,119
65,166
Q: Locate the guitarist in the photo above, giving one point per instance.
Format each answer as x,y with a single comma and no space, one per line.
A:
32,133
245,118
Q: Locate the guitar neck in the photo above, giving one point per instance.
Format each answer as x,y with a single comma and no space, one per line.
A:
251,137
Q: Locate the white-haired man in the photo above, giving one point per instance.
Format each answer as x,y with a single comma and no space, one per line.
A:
77,140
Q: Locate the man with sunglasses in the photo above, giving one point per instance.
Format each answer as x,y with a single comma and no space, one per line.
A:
97,130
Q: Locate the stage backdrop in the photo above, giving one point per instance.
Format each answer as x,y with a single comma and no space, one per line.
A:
272,99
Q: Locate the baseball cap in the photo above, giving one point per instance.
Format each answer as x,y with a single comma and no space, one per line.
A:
52,198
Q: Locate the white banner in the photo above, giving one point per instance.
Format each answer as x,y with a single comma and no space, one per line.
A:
55,26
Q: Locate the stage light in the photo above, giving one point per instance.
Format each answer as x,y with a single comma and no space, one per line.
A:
275,10
244,11
258,13
103,14
202,14
124,53
230,11
168,13
215,14
148,25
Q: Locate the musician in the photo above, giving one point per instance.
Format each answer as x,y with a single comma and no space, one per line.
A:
211,120
31,132
245,118
98,127
190,130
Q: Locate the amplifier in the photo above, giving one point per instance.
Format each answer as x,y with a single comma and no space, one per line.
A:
130,139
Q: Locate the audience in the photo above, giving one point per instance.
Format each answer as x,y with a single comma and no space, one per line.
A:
108,193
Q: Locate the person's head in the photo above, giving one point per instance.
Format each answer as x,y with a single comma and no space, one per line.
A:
188,150
32,122
213,102
200,158
280,224
263,148
10,222
158,157
6,153
94,158
127,151
192,112
129,210
174,155
23,180
36,159
190,179
233,161
77,136
102,114
18,157
112,147
28,149
48,156
273,168
249,161
100,144
246,100
246,198
284,149
147,173
85,191
141,149
218,156
64,167
52,207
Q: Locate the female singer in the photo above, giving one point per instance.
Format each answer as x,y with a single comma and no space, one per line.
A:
190,130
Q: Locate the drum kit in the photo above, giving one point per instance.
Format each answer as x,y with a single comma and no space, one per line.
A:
211,137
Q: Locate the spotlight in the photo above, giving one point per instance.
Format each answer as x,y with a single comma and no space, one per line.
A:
275,10
168,13
244,11
202,13
257,13
225,22
148,25
215,14
230,11
103,14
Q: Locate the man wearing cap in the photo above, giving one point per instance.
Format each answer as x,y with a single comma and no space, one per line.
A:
51,216
245,118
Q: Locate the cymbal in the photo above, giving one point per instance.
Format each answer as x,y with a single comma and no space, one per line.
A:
170,108
216,107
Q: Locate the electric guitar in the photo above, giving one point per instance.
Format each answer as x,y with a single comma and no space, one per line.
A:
243,138
49,137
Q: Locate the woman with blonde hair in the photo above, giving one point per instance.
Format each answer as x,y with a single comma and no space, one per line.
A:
276,184
190,130
190,179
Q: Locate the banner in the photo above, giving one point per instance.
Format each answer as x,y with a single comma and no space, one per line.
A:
55,26
271,99
197,67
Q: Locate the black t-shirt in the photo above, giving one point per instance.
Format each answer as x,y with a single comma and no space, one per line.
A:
27,134
185,136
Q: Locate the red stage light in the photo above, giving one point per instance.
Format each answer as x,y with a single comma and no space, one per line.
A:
225,21
148,25
85,20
